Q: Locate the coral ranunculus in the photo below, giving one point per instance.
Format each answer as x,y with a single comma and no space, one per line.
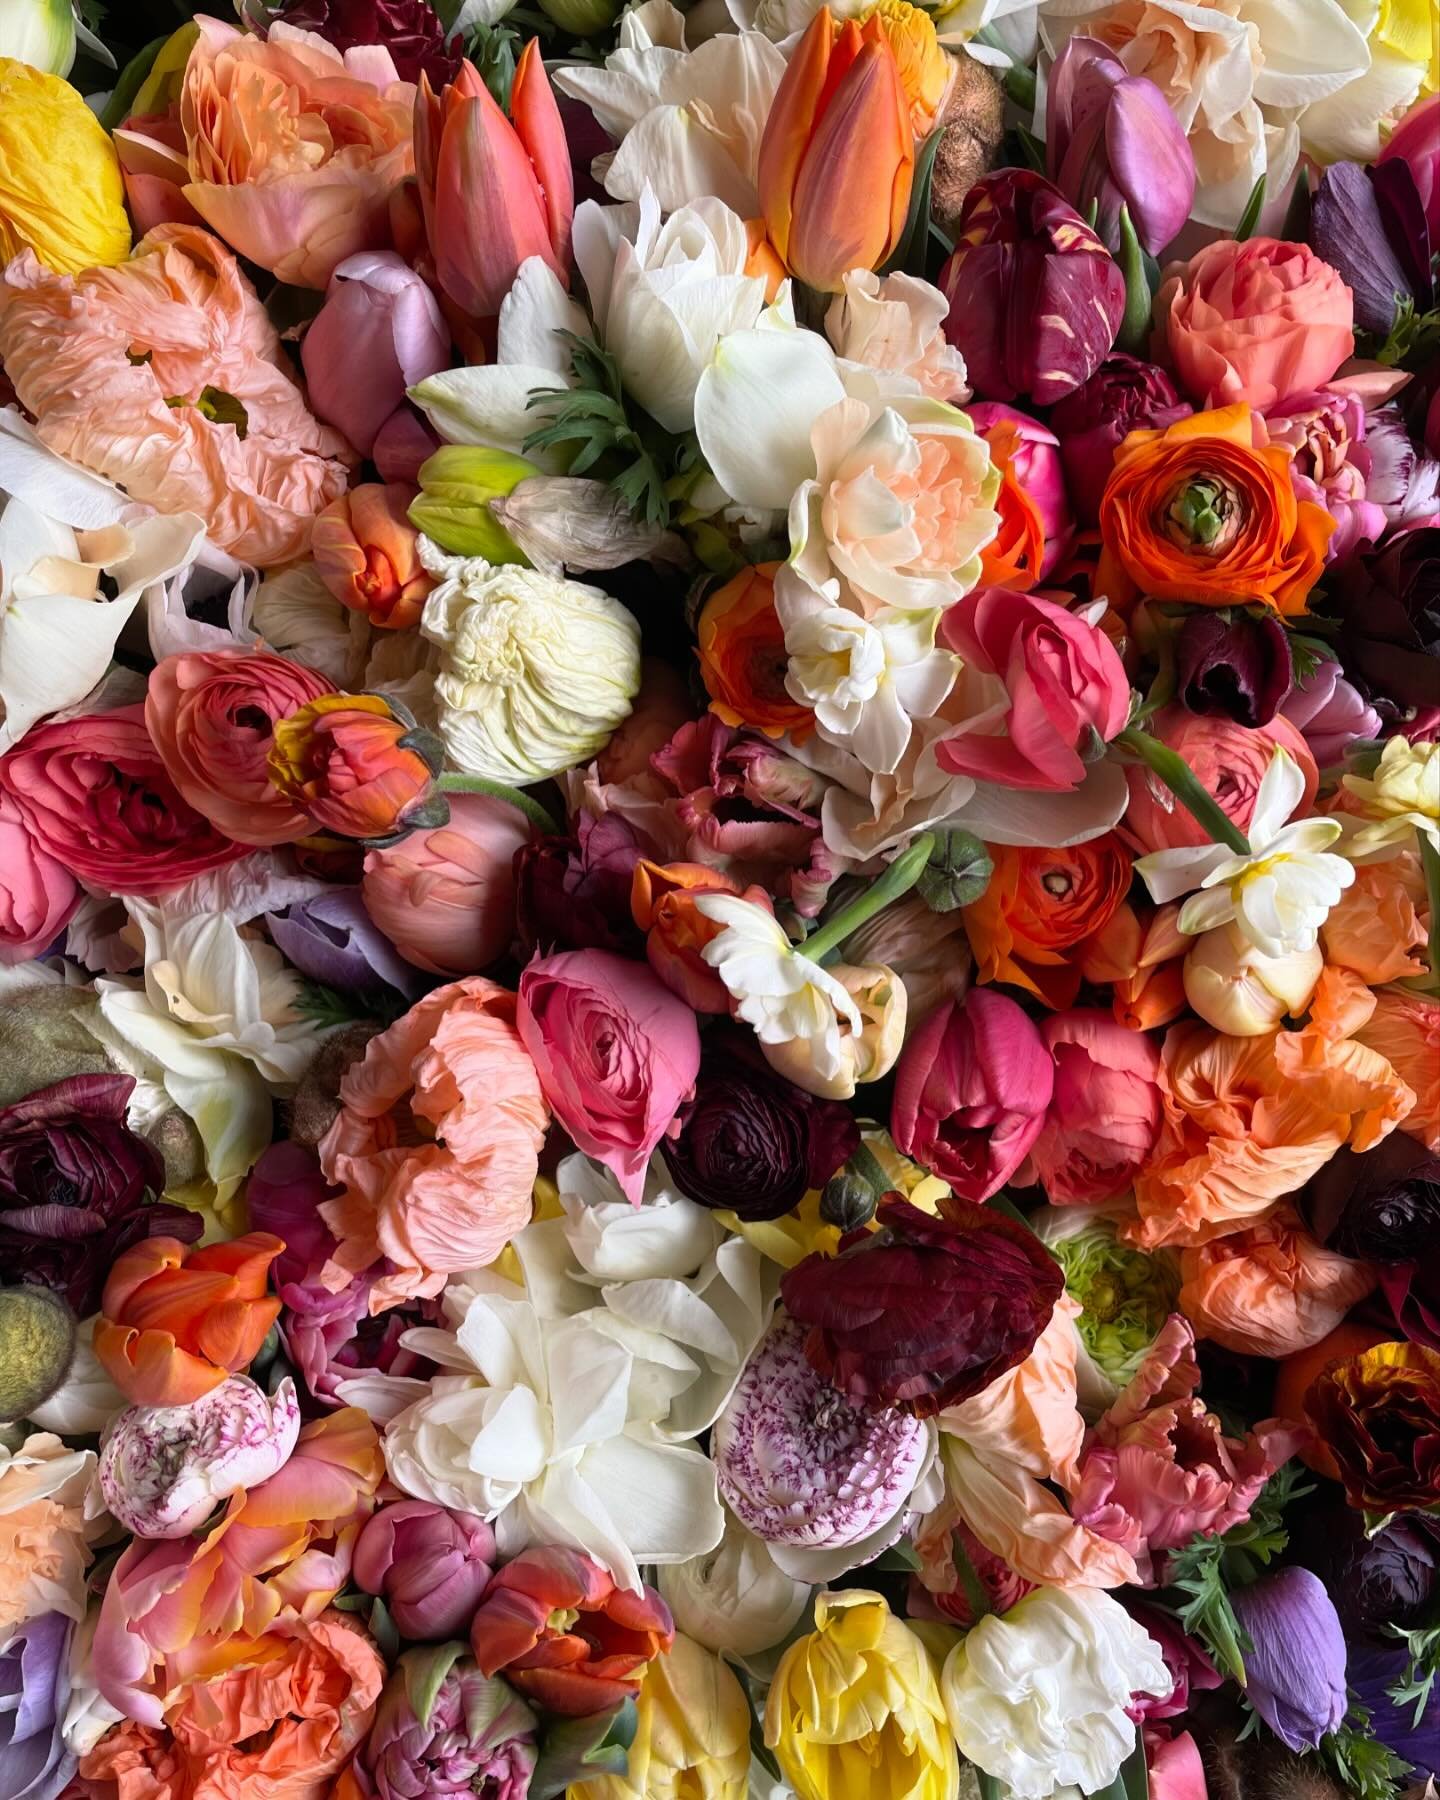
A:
1228,760
1199,512
1039,906
742,656
1379,1415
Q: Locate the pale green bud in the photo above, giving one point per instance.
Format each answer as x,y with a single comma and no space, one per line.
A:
453,508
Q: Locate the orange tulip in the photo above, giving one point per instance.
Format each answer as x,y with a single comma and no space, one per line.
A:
838,155
175,1321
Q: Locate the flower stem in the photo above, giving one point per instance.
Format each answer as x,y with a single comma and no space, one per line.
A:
1430,863
497,790
1172,769
894,882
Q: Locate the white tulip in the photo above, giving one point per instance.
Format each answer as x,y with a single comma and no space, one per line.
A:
734,1599
39,32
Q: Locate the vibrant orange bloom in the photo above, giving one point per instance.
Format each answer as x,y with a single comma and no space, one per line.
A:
176,1321
347,760
1040,905
1405,1029
925,70
366,552
1249,1120
662,900
1016,554
743,660
1375,930
1140,953
1198,512
838,155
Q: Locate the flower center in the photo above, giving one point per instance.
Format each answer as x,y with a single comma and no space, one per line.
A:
1203,515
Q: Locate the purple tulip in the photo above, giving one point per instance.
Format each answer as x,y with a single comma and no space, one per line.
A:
1123,395
430,1566
442,1729
1295,1668
1370,225
333,940
34,1689
378,333
1330,714
1111,140
1035,298
1233,662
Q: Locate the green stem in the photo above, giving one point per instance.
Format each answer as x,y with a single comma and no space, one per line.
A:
1430,863
897,880
1135,320
1172,769
497,790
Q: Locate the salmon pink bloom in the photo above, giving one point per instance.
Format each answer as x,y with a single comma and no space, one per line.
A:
367,553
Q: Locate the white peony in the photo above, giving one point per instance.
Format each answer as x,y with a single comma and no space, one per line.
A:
1037,1696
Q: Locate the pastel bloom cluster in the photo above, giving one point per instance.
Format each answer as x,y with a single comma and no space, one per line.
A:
720,900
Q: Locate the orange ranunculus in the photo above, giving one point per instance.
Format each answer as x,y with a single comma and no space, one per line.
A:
1039,906
662,900
350,763
175,1321
1016,554
1198,512
838,155
1140,954
1248,1120
367,553
1405,1029
742,657
1271,1289
279,1725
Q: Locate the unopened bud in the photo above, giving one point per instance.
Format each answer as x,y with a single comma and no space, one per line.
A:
560,519
457,485
847,1201
957,873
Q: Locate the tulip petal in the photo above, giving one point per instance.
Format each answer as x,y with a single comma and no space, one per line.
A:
788,129
538,126
489,213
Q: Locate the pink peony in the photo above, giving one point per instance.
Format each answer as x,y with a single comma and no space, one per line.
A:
616,1052
1042,686
1105,1112
971,1090
1229,760
38,895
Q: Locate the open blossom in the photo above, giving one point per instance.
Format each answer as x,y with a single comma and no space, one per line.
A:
1402,797
43,1550
894,326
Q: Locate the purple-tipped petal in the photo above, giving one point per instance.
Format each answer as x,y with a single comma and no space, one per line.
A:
1346,228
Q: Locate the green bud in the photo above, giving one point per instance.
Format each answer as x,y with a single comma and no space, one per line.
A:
582,18
457,485
847,1201
37,1341
1201,511
957,873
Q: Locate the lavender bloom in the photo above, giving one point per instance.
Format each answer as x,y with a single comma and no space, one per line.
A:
1330,714
443,1729
1370,225
1295,1670
333,940
34,1690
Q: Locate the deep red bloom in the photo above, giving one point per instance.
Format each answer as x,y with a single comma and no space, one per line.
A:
928,1311
409,29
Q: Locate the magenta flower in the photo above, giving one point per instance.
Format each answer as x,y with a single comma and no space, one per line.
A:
429,1565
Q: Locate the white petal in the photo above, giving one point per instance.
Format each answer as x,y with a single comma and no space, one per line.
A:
664,1494
488,405
1309,49
754,407
31,472
531,314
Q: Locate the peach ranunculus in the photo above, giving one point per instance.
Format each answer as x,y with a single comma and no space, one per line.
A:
1205,512
1140,955
1228,760
1254,322
1376,930
210,715
178,1610
43,1553
1271,1289
1405,1029
175,1321
279,1725
294,149
437,1144
1026,929
1248,1120
662,903
1105,1112
741,648
164,374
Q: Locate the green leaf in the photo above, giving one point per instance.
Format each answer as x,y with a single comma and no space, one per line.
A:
576,1750
1418,1680
132,78
327,1007
991,1786
1031,149
1135,320
592,418
1135,1773
1365,1768
909,254
498,790
1252,211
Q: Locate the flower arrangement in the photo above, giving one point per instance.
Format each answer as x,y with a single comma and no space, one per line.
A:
719,900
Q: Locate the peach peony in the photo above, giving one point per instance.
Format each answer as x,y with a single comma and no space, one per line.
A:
437,1144
165,375
294,149
43,1553
1405,1029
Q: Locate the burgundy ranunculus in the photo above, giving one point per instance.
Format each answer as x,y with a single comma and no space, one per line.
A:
1389,604
751,1142
1035,297
1390,1578
927,1311
1234,662
574,893
1382,1207
1123,395
73,1181
408,29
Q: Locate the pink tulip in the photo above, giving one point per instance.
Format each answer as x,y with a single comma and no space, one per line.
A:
379,317
430,1566
1176,1770
495,191
1105,1113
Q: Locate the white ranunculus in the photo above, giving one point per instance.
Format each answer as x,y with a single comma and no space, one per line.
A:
663,295
1037,1696
734,1599
536,671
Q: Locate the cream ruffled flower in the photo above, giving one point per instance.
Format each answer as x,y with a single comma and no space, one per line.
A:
1401,798
894,327
43,1551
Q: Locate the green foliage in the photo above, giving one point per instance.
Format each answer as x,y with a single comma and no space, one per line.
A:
327,1007
1418,1681
1364,1766
592,418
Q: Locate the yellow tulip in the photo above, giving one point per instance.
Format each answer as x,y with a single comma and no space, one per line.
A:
692,1733
60,189
855,1711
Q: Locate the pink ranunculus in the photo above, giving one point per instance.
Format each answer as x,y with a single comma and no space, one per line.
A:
1254,322
1035,463
1228,760
971,1090
294,149
1043,687
38,895
445,897
616,1051
1158,1467
1105,1112
378,316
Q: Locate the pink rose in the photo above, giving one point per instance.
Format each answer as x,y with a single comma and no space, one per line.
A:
1254,322
38,895
617,1052
1105,1111
445,897
1034,461
971,1090
1229,760
1064,686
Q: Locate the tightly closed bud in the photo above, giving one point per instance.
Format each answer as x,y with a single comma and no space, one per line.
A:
358,767
457,485
957,873
37,1341
847,1201
1241,991
429,1565
559,519
365,551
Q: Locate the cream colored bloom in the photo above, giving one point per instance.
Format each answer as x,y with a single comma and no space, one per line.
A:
1402,799
1241,991
865,1055
734,1598
1349,123
894,325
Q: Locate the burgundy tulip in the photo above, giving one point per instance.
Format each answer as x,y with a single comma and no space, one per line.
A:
1234,662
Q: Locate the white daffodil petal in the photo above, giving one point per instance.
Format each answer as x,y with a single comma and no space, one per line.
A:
754,405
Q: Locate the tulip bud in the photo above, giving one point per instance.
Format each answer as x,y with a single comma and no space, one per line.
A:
366,552
39,32
1295,1668
1242,992
1233,662
457,485
430,1566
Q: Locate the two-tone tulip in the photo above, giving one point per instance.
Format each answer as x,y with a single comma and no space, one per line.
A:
495,191
838,155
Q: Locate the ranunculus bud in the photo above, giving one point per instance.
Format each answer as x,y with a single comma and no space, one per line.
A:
429,1565
1035,298
356,766
1241,991
457,485
365,551
1235,662
1295,1668
1382,1206
1123,395
734,1600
